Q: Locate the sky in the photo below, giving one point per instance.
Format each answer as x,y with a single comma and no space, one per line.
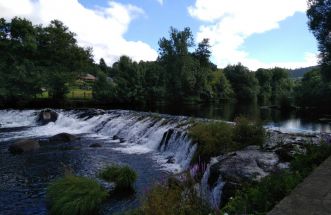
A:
256,33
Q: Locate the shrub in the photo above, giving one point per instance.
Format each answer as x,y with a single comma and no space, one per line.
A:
212,138
261,198
123,176
314,156
73,195
246,133
173,199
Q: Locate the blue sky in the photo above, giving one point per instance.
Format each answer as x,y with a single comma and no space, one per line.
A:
257,33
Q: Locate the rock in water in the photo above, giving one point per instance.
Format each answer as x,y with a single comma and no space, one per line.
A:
24,145
62,137
95,145
46,116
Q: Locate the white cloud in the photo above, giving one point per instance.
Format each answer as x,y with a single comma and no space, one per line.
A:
228,23
160,1
102,28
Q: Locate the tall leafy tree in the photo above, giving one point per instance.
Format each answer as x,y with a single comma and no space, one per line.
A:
319,21
264,76
175,57
61,58
244,83
19,75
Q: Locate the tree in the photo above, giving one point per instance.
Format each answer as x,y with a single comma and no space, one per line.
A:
19,75
128,81
221,86
319,21
153,81
244,83
174,56
61,58
202,53
103,89
313,91
264,76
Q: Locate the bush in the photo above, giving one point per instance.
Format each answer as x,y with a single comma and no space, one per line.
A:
246,133
73,195
314,156
212,138
173,198
123,176
215,138
262,197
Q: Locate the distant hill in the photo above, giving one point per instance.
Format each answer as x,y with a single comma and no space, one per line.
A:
298,73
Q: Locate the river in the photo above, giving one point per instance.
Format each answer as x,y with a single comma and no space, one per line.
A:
24,178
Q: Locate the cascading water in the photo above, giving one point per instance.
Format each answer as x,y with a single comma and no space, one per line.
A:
127,137
138,132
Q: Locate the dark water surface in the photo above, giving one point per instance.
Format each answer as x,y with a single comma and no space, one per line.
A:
295,120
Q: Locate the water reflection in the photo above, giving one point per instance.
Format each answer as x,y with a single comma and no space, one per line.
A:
292,121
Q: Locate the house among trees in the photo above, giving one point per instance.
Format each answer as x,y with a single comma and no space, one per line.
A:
88,77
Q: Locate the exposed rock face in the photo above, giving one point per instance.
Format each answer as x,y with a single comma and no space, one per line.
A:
246,165
24,145
253,163
46,116
62,137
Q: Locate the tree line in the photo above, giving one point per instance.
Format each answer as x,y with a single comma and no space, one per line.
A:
36,57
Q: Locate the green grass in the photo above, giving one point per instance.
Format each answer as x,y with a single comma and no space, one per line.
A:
79,94
123,176
73,94
73,195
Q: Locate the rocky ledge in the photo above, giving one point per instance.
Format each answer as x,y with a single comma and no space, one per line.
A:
234,169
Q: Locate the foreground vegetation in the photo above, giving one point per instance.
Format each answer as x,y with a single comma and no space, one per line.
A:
178,196
216,138
73,195
123,176
261,197
174,197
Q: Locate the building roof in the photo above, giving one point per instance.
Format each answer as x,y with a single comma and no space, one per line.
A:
88,77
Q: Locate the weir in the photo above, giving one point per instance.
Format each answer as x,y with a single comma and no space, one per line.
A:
162,137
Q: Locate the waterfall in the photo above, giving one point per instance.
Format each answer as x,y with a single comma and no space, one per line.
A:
129,131
211,193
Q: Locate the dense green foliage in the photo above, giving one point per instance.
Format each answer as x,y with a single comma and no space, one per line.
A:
215,138
73,195
47,58
244,83
123,176
315,88
313,91
246,133
319,21
261,197
35,57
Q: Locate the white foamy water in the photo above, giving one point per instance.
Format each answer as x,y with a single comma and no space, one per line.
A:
15,118
129,132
